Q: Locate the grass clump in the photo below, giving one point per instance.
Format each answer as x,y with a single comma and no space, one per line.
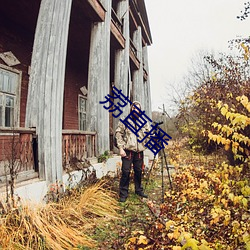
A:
62,225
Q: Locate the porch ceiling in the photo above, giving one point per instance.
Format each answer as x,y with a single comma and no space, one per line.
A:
22,15
79,37
21,12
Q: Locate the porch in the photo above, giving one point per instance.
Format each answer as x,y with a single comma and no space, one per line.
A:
19,152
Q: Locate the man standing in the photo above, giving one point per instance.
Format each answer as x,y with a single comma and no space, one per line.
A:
131,140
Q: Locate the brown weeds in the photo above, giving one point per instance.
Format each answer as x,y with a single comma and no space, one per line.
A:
61,225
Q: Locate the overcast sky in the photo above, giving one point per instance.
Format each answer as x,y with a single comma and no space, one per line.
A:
181,28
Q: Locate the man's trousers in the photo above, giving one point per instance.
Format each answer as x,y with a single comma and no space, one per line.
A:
135,159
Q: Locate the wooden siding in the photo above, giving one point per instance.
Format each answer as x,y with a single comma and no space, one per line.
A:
70,111
16,39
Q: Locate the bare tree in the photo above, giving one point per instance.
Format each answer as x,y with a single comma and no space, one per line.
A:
12,167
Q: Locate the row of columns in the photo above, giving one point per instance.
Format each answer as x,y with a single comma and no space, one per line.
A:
46,87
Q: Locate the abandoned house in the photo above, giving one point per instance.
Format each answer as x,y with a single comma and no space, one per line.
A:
58,60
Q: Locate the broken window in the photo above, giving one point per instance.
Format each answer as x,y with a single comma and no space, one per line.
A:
9,81
82,103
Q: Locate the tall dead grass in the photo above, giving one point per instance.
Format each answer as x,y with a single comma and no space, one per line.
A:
62,225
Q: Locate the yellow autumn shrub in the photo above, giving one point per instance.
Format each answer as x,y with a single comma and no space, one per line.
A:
234,135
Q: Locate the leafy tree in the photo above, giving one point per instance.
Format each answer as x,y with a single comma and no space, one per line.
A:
222,79
234,135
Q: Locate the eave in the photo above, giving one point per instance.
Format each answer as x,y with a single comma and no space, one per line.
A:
93,9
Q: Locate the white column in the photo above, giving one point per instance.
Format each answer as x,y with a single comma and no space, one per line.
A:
45,96
138,74
147,91
122,56
99,79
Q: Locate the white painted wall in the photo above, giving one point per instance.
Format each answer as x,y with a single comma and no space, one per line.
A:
35,191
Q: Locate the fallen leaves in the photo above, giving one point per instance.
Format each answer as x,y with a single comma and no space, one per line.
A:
208,208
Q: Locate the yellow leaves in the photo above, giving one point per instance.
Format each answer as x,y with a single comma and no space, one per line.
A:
142,240
224,202
212,136
227,219
201,211
231,196
169,224
227,147
176,248
238,199
188,191
204,246
245,203
241,138
217,125
239,119
219,139
138,239
184,237
184,199
242,184
237,98
245,191
203,184
208,198
216,215
223,111
214,76
226,189
197,189
133,240
175,235
246,239
137,232
244,101
236,226
248,107
198,100
227,130
229,135
246,51
191,243
219,104
230,95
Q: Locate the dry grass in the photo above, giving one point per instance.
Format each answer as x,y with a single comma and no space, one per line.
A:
60,225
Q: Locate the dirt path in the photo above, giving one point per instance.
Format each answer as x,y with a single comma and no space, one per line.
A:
137,214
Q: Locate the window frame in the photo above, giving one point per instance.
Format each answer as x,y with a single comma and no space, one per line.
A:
17,96
79,111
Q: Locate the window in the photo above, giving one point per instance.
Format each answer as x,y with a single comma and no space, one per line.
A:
9,97
82,103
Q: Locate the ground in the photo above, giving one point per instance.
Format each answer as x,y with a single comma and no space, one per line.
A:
137,215
208,207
